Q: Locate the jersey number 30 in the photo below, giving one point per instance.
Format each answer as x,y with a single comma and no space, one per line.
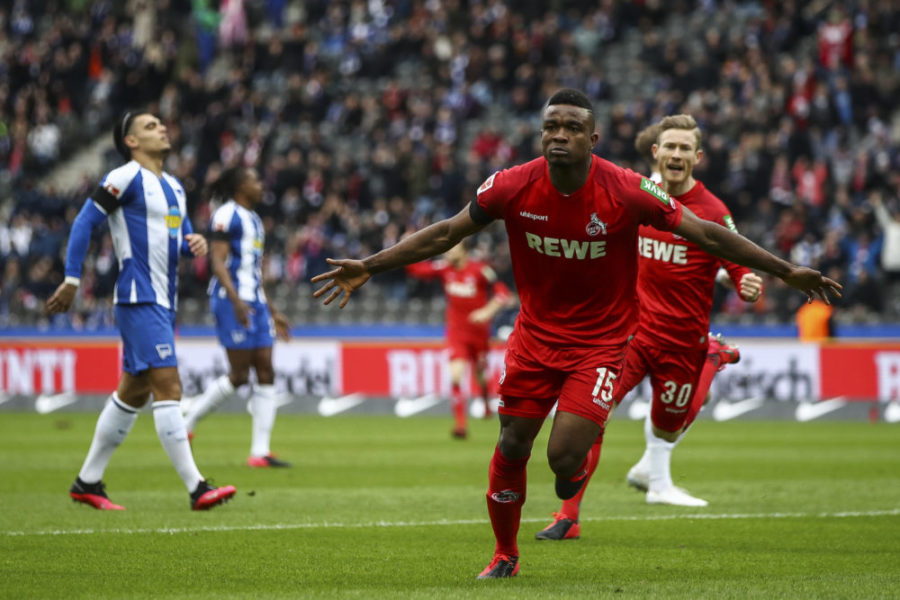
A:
684,394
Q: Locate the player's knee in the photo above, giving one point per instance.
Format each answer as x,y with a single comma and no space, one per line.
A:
174,391
137,400
669,436
265,374
564,462
239,377
514,446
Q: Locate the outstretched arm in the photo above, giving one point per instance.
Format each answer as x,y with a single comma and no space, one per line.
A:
79,240
721,242
349,275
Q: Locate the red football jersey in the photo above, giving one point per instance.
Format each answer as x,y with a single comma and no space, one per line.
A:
676,278
467,288
575,257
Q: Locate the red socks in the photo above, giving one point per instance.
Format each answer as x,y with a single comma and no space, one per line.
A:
710,367
570,507
458,403
485,391
505,497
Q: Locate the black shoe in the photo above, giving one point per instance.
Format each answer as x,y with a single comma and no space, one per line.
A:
92,494
207,496
562,528
501,566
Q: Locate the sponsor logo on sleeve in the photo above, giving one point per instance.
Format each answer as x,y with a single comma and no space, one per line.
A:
729,223
488,184
111,189
655,191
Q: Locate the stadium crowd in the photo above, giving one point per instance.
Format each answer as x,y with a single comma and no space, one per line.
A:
368,120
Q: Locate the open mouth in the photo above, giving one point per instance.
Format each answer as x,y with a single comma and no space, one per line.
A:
675,168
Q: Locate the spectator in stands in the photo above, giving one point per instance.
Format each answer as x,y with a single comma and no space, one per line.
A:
770,83
815,321
890,228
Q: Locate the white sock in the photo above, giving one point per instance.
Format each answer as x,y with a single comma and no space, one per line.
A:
219,390
263,405
113,425
660,460
173,435
643,465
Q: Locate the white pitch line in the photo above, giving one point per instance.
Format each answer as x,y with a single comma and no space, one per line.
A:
442,522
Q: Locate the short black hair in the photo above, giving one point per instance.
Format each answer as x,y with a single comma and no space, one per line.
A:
572,97
224,187
120,130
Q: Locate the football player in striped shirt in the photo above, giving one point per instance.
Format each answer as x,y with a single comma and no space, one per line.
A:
246,321
147,214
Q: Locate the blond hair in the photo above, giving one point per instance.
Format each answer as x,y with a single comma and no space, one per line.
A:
685,122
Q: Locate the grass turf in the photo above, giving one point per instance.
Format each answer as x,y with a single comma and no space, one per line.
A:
384,507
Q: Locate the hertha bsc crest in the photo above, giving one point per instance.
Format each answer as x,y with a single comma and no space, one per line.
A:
595,226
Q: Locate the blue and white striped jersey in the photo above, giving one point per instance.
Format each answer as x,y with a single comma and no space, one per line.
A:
243,230
148,221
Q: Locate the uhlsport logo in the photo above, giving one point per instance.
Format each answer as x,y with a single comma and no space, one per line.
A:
505,497
534,217
655,191
595,226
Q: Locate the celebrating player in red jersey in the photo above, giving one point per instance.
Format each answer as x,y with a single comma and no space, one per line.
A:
572,220
675,290
474,295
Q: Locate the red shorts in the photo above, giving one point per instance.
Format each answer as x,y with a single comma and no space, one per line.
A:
535,376
673,377
467,348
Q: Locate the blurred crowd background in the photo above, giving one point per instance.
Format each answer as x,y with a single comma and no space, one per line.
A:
369,119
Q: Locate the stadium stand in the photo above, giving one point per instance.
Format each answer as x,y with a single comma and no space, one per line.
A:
368,120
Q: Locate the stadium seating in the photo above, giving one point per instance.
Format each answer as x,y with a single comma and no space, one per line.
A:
357,96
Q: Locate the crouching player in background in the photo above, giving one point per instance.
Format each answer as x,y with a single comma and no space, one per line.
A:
148,221
246,322
672,345
474,296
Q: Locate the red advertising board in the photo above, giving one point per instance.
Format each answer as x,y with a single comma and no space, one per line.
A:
399,369
861,371
779,370
53,366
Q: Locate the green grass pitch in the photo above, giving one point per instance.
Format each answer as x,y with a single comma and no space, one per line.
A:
379,507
